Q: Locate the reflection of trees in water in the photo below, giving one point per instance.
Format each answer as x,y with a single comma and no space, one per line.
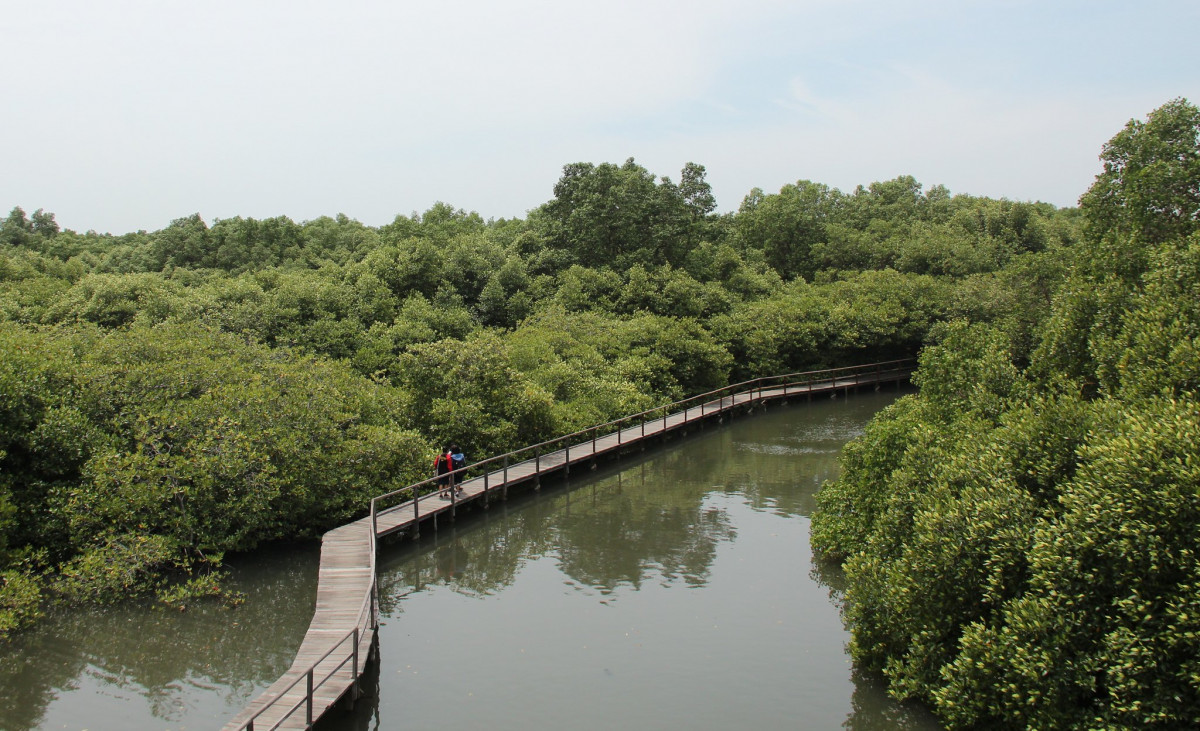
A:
828,574
648,519
780,462
162,652
605,534
872,710
479,559
870,707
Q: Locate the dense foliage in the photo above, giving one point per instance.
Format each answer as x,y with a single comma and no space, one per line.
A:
1020,539
169,396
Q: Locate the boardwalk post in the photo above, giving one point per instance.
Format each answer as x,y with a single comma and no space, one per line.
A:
506,477
355,676
308,706
594,441
567,464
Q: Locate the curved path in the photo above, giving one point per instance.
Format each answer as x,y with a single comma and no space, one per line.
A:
341,637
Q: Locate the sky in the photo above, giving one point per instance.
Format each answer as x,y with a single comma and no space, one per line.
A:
126,114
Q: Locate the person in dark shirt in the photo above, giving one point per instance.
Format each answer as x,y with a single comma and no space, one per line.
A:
442,468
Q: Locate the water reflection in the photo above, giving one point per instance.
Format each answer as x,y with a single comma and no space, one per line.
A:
628,530
148,667
674,590
871,709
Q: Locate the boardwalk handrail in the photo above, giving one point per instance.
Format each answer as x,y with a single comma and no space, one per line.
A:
756,389
365,620
754,386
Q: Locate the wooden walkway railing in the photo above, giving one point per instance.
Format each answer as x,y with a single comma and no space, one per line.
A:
342,633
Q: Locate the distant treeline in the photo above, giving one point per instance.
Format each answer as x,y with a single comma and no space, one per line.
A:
169,396
1022,539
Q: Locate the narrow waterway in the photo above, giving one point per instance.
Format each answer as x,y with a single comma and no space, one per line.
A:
674,589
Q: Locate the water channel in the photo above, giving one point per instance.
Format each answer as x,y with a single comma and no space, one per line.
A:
672,589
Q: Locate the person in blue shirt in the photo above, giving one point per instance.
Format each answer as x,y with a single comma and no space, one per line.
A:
459,460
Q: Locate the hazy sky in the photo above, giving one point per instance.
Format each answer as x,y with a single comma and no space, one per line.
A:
123,115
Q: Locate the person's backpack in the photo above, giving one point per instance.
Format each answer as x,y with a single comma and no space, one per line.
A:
459,460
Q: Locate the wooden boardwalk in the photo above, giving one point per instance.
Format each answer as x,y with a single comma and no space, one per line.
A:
341,637
339,640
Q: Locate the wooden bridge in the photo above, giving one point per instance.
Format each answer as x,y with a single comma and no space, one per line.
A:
342,634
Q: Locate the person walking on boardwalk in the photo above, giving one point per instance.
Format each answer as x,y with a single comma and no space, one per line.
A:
442,467
458,461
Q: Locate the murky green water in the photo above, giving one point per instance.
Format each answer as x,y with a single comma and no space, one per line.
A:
675,589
